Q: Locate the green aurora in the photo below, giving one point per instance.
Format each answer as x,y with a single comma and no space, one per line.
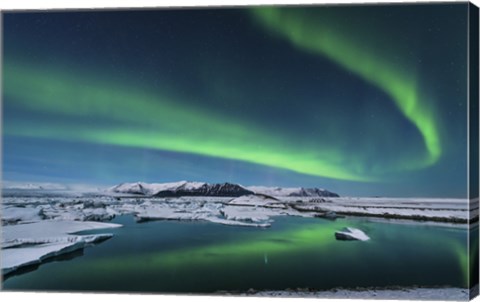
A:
152,119
325,39
152,122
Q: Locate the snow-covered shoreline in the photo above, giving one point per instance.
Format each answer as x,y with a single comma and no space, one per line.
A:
419,209
245,209
38,228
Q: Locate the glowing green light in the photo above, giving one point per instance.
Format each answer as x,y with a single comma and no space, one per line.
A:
313,237
317,36
109,113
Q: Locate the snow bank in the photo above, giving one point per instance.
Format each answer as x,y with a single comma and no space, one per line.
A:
258,200
213,212
248,214
21,214
441,210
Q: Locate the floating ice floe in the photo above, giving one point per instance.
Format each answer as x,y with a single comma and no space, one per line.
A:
351,234
32,243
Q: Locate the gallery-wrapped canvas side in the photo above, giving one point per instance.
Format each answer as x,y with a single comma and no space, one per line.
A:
473,148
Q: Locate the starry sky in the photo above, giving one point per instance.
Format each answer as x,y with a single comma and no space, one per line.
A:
361,100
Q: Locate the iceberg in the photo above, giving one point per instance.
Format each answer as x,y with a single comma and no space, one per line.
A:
351,234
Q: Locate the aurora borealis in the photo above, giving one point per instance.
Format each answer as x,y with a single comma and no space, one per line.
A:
362,100
362,60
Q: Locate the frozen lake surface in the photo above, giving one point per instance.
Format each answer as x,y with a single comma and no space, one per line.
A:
295,252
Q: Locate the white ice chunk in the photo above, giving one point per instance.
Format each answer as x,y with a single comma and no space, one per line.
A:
15,258
248,214
26,244
351,234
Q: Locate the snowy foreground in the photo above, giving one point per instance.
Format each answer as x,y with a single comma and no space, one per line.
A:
37,228
439,294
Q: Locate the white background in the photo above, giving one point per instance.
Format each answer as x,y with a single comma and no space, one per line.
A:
47,4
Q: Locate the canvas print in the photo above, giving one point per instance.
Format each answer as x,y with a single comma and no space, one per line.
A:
326,151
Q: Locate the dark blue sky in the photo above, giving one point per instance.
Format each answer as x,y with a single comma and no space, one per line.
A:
361,100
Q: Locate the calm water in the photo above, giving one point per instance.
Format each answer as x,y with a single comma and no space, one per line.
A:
200,257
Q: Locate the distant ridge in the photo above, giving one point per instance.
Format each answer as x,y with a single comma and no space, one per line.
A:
186,188
181,188
292,192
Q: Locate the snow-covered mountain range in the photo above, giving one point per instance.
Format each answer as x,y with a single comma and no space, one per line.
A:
186,188
181,188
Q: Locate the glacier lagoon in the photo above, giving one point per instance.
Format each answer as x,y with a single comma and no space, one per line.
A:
294,253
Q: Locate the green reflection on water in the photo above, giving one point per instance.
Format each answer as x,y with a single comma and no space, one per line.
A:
315,237
171,256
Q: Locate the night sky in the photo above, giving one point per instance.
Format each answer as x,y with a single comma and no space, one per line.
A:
361,100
